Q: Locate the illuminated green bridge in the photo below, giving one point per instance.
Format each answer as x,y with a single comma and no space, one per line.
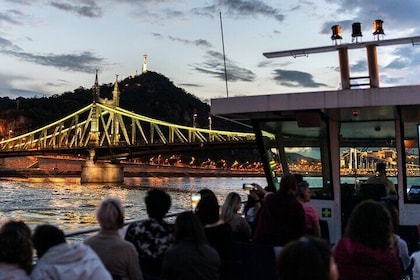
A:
103,130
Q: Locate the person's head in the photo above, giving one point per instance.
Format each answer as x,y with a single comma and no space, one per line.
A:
45,237
393,211
208,208
370,224
110,214
288,185
188,226
158,203
16,244
381,168
299,177
307,258
231,206
303,192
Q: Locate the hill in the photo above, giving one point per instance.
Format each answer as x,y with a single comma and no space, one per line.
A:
150,94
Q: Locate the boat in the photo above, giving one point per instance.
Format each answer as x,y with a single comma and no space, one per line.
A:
360,120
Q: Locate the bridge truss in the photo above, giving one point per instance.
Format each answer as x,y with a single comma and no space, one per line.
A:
101,125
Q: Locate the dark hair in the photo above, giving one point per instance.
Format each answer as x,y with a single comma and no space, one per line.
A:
301,187
381,167
158,203
303,259
16,245
188,226
208,208
299,177
288,185
370,224
45,237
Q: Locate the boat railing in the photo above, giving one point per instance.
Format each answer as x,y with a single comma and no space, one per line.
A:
88,230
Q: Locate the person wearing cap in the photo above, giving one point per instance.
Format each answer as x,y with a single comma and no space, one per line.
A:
380,178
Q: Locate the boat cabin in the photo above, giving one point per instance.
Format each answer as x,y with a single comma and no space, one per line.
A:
335,139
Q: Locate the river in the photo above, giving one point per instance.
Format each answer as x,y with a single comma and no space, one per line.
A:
69,205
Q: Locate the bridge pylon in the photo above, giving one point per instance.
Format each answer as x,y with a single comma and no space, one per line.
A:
101,172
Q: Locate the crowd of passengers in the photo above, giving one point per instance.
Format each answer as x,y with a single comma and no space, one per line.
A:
204,243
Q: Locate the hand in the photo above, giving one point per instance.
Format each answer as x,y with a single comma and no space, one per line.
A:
259,190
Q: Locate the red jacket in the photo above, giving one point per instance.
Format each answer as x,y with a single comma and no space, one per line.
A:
357,261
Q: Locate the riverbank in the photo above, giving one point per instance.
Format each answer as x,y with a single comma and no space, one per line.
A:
45,167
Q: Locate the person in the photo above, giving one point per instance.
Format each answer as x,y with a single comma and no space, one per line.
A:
307,258
59,260
153,236
401,245
366,251
311,217
380,178
218,233
253,204
15,251
190,257
230,213
118,255
281,218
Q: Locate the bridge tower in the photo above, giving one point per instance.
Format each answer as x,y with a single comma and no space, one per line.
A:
94,126
116,103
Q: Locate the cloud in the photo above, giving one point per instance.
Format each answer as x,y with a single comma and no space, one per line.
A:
85,8
396,15
292,78
11,17
240,8
7,45
214,66
199,42
85,62
405,57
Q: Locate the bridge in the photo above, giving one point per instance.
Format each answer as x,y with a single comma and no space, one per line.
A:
104,131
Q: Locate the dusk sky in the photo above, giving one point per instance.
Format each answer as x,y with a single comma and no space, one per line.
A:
52,46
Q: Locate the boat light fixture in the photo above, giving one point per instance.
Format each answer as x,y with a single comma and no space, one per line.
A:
356,28
336,33
377,28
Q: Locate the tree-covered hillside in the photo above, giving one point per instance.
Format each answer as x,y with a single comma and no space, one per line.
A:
150,94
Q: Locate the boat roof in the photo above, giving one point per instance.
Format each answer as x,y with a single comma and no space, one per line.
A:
378,106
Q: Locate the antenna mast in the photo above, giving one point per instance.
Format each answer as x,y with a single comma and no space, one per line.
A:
224,56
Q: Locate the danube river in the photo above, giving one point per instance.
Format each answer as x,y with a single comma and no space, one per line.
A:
71,206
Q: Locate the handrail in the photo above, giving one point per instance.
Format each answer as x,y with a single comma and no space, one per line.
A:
97,228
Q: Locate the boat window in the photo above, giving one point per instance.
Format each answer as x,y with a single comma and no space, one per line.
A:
411,149
362,145
293,146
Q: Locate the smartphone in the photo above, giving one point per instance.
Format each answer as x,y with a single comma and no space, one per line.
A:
248,187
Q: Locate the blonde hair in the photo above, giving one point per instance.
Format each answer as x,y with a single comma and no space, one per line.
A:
110,214
231,206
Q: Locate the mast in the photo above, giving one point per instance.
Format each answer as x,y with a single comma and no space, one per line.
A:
224,56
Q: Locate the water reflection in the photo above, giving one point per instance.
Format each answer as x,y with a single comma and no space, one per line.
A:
71,206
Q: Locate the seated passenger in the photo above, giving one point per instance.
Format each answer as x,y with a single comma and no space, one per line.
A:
311,217
190,258
366,252
153,236
15,251
218,233
231,214
401,245
59,260
307,258
119,256
281,218
380,178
